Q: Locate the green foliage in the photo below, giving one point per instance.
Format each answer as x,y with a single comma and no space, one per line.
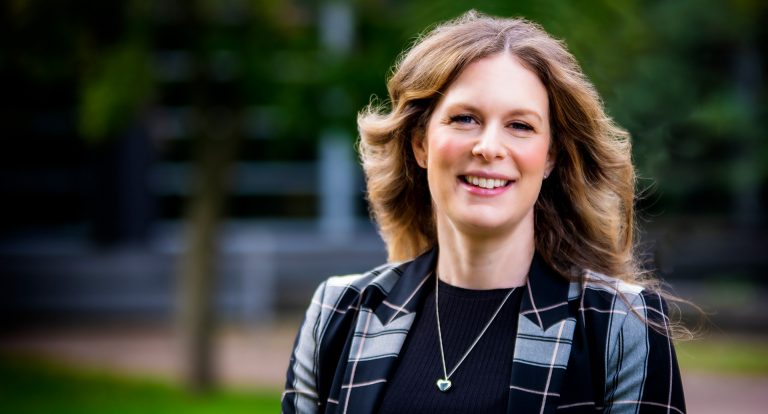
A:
113,94
28,387
685,77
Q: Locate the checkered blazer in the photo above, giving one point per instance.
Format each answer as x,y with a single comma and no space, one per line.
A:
579,348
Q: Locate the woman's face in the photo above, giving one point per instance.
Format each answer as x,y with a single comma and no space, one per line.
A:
486,148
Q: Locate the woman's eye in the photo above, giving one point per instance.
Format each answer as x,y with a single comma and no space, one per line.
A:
521,126
462,119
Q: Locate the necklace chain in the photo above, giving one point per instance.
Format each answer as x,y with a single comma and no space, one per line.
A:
447,375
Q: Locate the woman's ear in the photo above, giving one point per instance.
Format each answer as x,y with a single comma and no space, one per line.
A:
550,165
419,146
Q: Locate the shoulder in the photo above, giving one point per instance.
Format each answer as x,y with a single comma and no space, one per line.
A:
342,293
608,285
381,277
620,305
629,324
599,288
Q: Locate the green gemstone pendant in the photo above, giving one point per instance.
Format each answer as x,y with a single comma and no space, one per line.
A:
444,384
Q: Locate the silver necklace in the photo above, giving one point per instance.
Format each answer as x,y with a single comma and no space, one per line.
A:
444,384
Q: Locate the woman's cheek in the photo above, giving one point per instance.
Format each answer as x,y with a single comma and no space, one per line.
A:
534,157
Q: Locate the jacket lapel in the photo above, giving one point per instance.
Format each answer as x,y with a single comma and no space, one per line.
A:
543,343
386,312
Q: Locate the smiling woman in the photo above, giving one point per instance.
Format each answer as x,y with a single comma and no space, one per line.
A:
505,196
486,151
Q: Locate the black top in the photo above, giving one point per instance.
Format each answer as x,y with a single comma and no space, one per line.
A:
481,383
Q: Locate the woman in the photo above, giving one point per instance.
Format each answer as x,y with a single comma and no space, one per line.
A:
505,196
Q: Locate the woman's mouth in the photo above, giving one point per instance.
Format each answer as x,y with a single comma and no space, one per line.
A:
483,182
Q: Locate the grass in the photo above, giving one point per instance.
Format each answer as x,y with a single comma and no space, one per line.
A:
28,386
724,356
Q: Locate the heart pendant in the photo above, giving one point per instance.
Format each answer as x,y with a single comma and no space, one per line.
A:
444,384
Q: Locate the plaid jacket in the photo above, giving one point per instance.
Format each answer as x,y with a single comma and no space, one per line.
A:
579,347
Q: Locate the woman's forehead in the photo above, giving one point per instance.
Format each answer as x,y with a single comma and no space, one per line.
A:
498,80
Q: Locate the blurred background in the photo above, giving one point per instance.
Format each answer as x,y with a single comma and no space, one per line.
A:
177,176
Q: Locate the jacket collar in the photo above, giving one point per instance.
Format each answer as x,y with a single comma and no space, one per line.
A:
545,303
407,293
546,300
543,343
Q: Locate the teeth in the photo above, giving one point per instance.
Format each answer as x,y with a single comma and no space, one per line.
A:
488,183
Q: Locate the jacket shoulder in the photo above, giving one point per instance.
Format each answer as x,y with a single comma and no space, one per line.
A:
382,276
321,337
601,289
624,304
344,291
631,322
596,280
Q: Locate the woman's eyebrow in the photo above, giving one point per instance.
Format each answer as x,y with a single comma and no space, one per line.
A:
522,111
526,112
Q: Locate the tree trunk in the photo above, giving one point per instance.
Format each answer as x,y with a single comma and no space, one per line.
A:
216,148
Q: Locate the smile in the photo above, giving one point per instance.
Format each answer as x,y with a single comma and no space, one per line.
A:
489,183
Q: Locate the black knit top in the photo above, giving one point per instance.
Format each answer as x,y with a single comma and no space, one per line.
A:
481,383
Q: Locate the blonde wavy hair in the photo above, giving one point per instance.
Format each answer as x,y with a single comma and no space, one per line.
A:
584,216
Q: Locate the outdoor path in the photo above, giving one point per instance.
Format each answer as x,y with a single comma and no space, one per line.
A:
257,358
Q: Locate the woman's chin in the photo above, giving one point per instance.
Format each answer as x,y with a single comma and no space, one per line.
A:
484,227
483,222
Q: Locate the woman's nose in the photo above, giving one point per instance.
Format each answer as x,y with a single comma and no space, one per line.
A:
489,145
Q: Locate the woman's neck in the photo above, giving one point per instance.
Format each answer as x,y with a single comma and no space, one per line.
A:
485,262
